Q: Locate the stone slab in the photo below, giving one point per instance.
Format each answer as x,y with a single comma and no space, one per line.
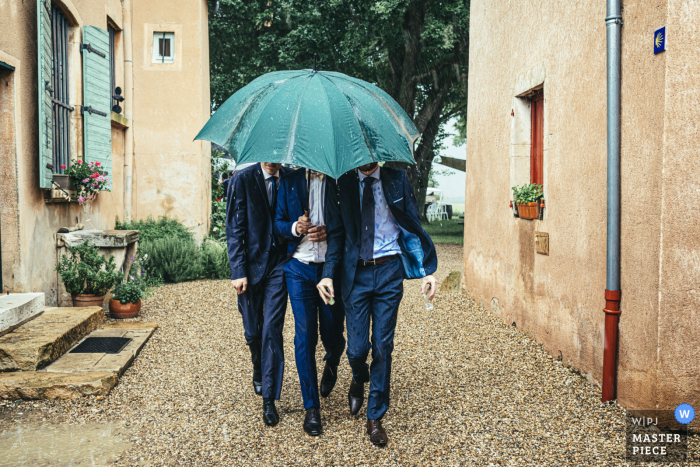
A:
101,362
100,238
43,385
452,283
16,309
47,337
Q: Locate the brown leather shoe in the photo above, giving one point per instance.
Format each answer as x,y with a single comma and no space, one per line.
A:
356,396
376,432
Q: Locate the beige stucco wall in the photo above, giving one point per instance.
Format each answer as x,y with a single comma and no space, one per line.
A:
558,299
31,266
171,104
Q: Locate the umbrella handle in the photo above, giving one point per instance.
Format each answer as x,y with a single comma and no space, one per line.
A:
306,213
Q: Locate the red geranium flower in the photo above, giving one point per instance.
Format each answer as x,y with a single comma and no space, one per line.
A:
80,161
94,175
63,167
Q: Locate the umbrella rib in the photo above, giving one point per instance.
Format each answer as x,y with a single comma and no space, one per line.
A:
364,134
247,109
293,138
396,117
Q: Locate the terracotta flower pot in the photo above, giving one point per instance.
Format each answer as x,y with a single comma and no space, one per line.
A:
124,311
529,210
88,300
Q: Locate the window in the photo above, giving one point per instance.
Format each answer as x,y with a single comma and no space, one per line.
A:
163,47
59,90
537,138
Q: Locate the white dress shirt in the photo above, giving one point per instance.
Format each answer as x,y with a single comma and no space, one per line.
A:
308,251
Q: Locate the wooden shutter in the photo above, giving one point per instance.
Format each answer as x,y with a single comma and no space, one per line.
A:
537,138
97,98
45,57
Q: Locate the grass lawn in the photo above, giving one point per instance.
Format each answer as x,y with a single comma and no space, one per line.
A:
447,231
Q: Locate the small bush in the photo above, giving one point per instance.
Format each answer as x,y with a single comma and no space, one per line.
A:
173,259
214,260
152,229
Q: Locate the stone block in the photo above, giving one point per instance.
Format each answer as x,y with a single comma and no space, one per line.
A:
17,309
43,385
47,337
452,283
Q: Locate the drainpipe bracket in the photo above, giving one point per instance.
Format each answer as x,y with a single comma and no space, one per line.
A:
612,312
614,20
612,302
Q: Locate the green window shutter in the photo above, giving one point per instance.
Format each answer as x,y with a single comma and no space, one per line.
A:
97,98
45,57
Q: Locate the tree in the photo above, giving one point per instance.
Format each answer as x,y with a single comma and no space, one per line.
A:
416,50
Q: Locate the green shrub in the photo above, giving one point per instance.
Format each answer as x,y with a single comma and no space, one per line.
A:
214,260
528,193
131,291
172,259
152,229
86,271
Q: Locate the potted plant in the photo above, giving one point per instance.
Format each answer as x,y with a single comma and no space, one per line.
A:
89,179
126,297
87,274
527,199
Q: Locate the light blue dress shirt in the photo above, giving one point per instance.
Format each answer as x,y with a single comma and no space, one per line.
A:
386,229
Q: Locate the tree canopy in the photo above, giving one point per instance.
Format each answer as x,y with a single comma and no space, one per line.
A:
417,51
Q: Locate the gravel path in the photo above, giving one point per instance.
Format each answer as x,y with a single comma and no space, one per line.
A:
466,390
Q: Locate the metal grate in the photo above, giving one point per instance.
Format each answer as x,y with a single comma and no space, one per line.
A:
111,345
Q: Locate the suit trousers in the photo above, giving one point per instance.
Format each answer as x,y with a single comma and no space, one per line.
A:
262,308
310,312
376,296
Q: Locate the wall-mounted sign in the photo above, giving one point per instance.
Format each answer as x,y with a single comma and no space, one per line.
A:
660,40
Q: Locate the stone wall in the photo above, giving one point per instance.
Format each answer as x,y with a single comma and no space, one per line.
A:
558,299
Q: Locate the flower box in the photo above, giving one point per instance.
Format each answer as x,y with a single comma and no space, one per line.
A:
65,182
529,210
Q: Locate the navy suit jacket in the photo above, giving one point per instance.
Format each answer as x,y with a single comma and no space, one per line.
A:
249,218
291,201
343,218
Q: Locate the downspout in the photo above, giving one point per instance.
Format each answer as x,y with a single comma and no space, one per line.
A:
128,110
613,23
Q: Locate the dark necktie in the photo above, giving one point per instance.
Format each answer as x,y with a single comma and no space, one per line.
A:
367,225
274,181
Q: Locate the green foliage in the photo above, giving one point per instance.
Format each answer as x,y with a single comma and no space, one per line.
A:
528,193
415,50
215,262
218,220
446,231
86,271
219,164
432,180
131,290
173,259
152,229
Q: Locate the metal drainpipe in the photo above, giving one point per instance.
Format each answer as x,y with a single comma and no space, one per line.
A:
613,23
128,110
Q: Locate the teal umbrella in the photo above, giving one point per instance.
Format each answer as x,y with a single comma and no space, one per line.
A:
326,121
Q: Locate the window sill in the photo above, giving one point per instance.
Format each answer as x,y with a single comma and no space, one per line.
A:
119,121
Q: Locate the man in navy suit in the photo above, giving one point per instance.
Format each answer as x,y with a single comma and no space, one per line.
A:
375,238
257,259
306,250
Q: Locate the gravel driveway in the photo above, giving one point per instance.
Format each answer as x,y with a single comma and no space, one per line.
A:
466,390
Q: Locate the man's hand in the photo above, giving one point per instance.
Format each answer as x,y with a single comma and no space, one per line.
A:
317,233
303,225
429,286
325,289
241,285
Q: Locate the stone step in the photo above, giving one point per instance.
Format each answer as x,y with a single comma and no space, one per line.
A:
45,338
45,385
138,331
18,308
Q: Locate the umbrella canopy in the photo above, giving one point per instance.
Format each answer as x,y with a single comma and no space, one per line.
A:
326,121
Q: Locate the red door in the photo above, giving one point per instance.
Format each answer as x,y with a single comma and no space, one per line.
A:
537,138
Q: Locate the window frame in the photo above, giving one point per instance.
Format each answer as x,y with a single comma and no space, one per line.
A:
156,53
537,137
60,90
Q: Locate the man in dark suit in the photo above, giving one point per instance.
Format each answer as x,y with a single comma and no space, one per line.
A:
306,249
375,238
257,258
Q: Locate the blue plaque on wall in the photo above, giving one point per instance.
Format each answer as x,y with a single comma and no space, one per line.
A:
660,40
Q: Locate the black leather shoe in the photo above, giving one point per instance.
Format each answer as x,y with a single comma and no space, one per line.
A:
270,415
257,382
330,376
356,396
312,422
376,433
